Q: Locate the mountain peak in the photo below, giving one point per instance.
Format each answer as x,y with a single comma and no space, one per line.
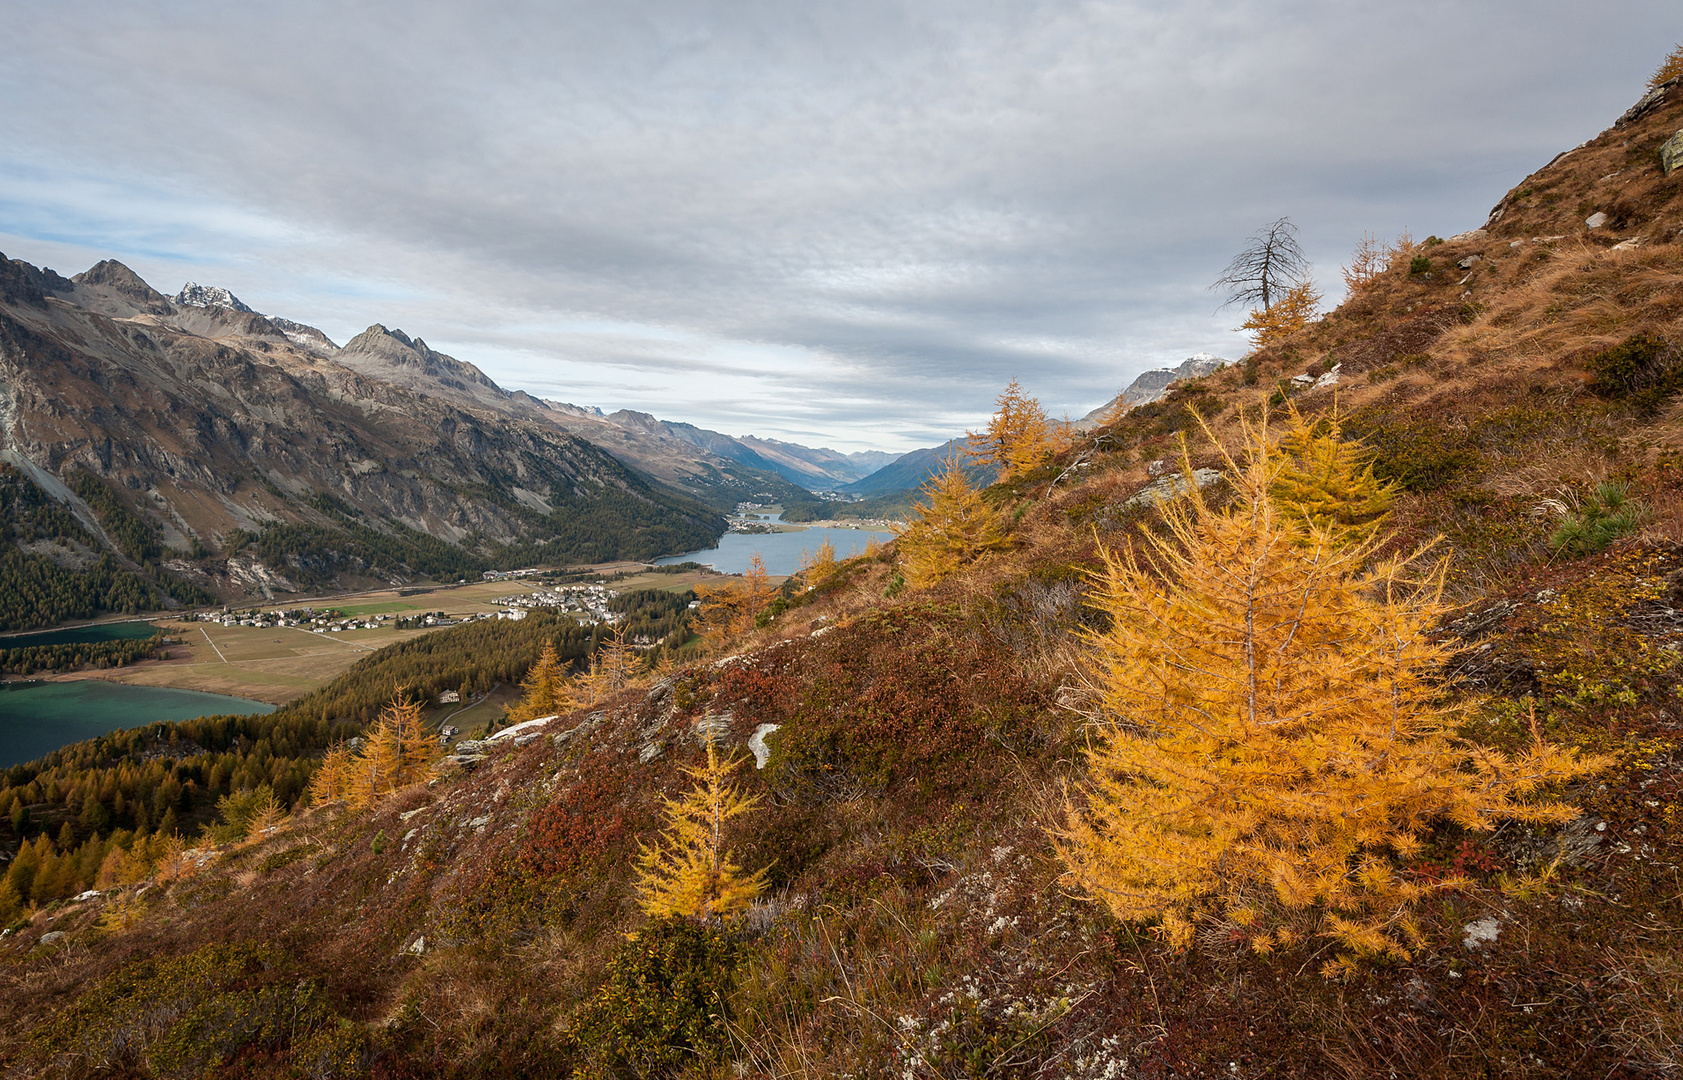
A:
207,296
115,276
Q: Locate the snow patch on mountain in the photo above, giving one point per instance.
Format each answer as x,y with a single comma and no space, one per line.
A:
193,294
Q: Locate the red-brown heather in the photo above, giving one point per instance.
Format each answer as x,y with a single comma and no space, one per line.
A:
1520,388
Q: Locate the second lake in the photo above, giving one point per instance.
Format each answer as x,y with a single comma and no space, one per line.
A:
37,718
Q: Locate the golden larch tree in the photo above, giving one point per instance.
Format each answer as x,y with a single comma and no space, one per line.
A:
1018,437
1288,314
819,567
332,779
1272,745
687,871
397,751
732,607
951,526
614,666
1670,68
545,686
1371,258
1330,480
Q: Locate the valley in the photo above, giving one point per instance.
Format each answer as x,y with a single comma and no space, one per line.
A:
1318,714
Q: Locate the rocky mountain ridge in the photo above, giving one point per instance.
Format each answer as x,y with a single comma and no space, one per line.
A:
1150,386
216,428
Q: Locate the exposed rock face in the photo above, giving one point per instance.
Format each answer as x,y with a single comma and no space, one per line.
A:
205,296
1152,385
208,419
1671,154
113,289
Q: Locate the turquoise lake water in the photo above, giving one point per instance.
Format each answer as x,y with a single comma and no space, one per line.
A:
81,635
781,552
37,718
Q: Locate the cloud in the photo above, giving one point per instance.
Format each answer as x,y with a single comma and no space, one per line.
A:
846,225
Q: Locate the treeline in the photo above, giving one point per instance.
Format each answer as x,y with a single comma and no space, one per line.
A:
129,791
135,536
35,591
28,659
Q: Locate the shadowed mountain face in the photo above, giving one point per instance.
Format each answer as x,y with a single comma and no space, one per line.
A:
216,427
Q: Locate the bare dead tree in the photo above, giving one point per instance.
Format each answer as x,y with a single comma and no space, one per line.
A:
1269,265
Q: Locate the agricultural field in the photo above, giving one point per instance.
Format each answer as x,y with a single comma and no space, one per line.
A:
278,664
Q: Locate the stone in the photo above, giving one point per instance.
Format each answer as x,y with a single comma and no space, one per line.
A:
91,894
514,730
713,728
1171,486
49,937
1330,378
588,725
527,737
757,744
419,947
1481,932
1651,100
1467,263
649,752
1628,245
1596,220
1671,154
470,746
1473,234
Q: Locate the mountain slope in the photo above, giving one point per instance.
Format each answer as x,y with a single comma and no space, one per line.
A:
915,754
215,427
909,471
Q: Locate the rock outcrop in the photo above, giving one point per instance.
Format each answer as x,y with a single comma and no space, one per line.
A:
1151,385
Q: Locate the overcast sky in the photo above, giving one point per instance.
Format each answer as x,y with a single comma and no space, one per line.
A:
846,226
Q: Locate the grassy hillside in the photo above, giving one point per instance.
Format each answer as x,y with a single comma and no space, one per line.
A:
918,921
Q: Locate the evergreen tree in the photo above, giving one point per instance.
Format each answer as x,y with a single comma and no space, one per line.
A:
1274,743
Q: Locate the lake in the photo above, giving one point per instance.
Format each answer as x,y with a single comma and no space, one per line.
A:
81,635
37,718
781,552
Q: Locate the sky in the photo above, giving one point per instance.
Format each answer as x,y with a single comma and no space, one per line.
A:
846,225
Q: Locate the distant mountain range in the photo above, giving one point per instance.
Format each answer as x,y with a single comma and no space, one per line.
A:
262,455
206,442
